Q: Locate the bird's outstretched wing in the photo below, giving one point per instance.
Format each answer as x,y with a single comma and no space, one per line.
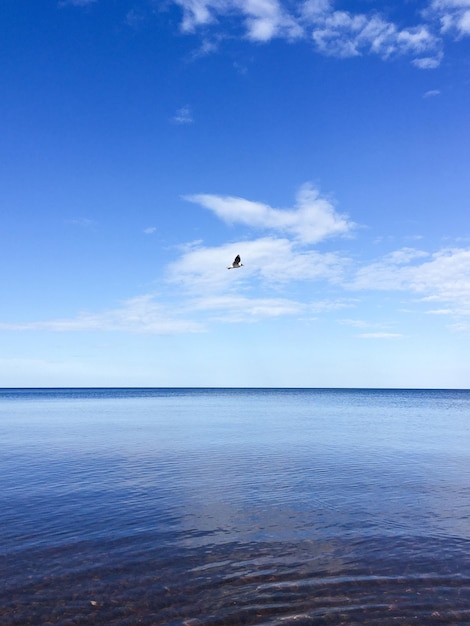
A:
237,262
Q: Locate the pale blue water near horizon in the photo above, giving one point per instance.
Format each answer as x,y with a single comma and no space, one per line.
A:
204,507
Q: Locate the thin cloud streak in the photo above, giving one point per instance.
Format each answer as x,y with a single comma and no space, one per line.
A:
137,315
235,308
238,308
75,3
432,93
380,336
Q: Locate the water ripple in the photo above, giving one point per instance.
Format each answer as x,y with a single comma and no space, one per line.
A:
229,507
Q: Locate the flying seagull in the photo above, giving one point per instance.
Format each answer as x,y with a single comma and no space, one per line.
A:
236,263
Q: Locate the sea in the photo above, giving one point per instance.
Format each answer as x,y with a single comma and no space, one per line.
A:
210,507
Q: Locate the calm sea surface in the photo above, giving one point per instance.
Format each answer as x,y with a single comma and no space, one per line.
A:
210,507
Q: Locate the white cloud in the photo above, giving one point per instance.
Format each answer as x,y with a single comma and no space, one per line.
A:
208,46
444,277
464,23
236,308
404,256
198,12
453,16
325,306
144,315
137,315
75,3
334,32
354,323
380,336
183,116
315,9
428,63
241,308
311,220
150,230
272,260
431,93
266,19
263,19
440,312
134,19
370,329
386,274
83,222
460,327
344,34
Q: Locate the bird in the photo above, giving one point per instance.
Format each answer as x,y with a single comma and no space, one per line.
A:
237,262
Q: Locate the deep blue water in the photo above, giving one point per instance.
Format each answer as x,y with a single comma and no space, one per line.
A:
234,506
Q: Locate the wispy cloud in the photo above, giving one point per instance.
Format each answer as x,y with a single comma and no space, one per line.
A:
343,34
82,222
76,3
240,308
453,16
440,312
334,32
134,19
236,308
137,315
428,63
387,273
150,230
371,329
355,323
380,335
432,93
183,116
312,219
269,259
443,277
207,46
207,292
263,19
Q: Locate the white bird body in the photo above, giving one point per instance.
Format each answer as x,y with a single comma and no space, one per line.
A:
237,262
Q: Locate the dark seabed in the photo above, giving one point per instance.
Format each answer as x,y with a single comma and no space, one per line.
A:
210,507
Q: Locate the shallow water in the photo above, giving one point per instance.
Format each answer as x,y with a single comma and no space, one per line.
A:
210,507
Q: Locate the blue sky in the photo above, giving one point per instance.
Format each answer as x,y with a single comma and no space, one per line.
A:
145,144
